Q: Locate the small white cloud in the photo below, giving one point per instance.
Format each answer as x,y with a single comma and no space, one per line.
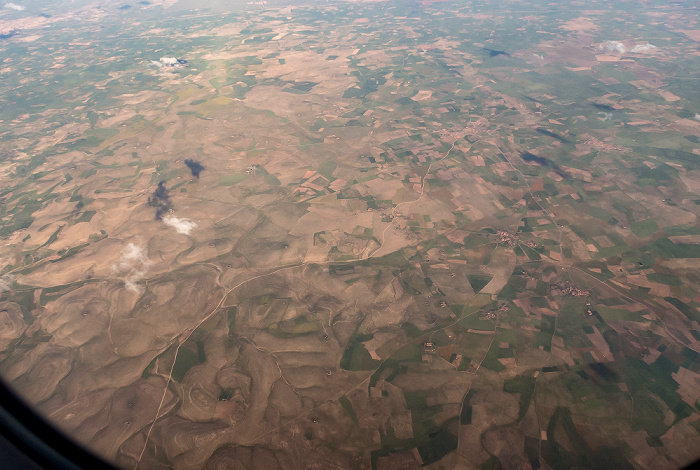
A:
605,116
169,62
14,6
643,47
613,46
697,117
133,264
6,282
132,254
183,226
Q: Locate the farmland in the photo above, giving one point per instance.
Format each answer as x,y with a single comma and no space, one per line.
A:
374,235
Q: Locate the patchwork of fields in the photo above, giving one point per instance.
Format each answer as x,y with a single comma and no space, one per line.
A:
345,235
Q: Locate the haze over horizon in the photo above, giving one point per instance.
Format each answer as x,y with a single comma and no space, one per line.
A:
354,235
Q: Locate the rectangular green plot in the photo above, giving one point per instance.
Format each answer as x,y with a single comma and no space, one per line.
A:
612,314
611,302
668,279
668,249
230,180
594,403
675,230
411,353
544,340
610,251
645,228
475,240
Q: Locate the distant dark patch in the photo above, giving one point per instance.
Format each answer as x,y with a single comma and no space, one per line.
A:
144,3
340,269
542,161
603,107
529,157
8,35
550,369
405,101
195,167
124,7
304,86
553,135
44,15
160,199
161,192
604,371
182,61
495,53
